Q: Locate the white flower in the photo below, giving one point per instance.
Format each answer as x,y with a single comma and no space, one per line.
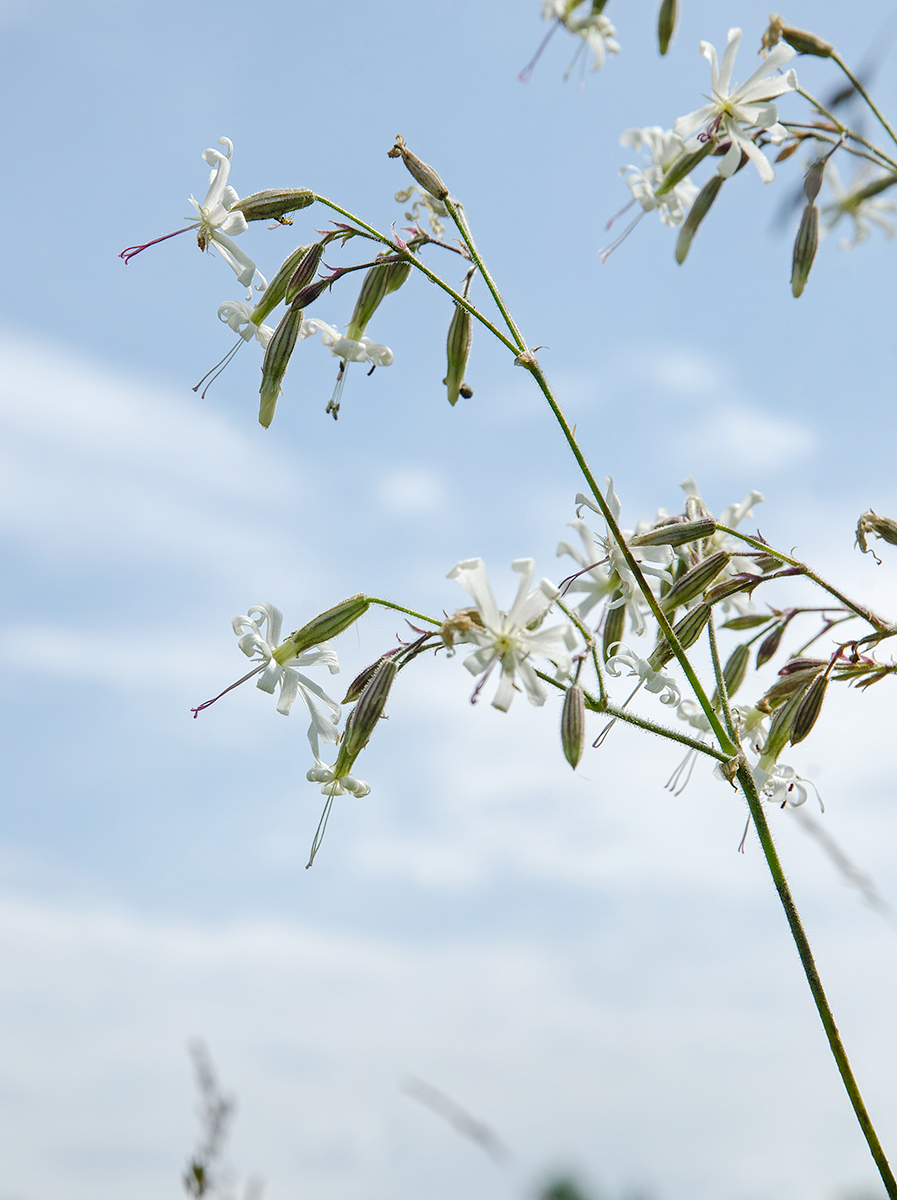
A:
217,224
594,28
855,203
731,516
259,634
630,592
664,147
348,349
238,315
782,785
331,786
594,580
736,107
512,638
653,681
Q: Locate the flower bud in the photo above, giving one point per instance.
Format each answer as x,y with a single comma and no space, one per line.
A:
666,23
813,179
744,581
274,204
363,678
323,627
458,349
781,729
275,362
277,288
309,294
684,165
373,289
795,683
805,246
804,42
687,632
734,671
305,271
573,725
420,171
770,644
809,709
396,275
676,533
362,720
696,215
695,581
614,623
751,621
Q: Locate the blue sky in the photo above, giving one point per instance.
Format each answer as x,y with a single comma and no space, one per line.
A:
583,961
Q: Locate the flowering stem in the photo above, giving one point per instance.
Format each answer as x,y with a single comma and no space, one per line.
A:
862,91
749,787
878,623
592,645
456,212
843,129
399,608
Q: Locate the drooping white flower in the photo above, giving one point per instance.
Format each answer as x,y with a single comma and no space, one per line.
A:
856,204
596,30
783,786
513,638
238,315
217,224
662,685
735,108
331,786
664,147
259,633
618,568
348,349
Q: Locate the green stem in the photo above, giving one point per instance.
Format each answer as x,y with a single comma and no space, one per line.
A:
876,622
400,608
862,91
721,690
456,212
749,787
590,642
844,129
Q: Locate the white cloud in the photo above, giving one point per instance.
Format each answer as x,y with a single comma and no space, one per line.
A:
737,437
412,491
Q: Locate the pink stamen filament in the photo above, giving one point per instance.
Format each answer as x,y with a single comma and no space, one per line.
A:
527,73
131,251
205,704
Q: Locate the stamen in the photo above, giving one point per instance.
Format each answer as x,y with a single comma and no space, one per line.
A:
475,694
334,402
131,251
564,585
322,825
218,368
608,250
744,836
205,704
527,73
686,766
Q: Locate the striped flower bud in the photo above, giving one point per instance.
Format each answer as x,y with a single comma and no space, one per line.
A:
420,171
305,271
696,214
676,533
805,246
687,632
362,720
277,288
684,165
323,627
573,725
809,709
666,23
363,678
770,644
813,179
274,204
374,287
695,581
614,622
309,294
805,43
397,273
781,729
458,350
744,581
275,363
734,671
795,683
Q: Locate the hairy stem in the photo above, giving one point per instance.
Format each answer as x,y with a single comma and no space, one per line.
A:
862,91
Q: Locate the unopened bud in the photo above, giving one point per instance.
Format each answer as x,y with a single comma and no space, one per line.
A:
374,287
362,720
687,632
813,179
397,273
684,165
695,581
734,671
770,644
676,533
305,271
696,214
809,709
420,171
803,41
573,725
458,350
277,288
805,246
275,363
781,729
309,294
614,623
744,581
789,685
274,204
323,627
666,23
